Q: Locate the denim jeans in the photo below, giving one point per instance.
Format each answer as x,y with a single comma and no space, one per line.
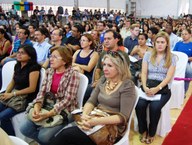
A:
9,59
154,113
6,114
40,134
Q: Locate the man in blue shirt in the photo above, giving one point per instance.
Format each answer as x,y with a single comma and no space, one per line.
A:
23,35
132,40
41,46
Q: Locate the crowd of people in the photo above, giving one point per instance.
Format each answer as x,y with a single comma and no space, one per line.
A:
98,45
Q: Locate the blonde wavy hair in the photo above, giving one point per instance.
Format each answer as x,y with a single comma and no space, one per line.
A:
168,55
121,65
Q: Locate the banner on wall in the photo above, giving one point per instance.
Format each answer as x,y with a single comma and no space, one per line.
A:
23,6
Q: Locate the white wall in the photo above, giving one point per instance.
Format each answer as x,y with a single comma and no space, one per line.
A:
161,8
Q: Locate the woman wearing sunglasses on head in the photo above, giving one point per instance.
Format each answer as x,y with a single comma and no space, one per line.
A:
114,92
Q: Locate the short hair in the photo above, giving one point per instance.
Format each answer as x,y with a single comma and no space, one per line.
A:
143,34
66,53
133,26
26,31
115,34
154,30
79,27
32,26
104,24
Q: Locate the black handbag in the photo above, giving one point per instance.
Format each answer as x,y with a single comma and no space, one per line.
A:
154,83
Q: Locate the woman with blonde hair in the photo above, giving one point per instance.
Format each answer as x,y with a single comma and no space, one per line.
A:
158,68
115,92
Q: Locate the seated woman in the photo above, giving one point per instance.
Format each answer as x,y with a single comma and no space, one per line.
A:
85,59
138,52
115,92
185,47
5,44
61,80
157,66
24,84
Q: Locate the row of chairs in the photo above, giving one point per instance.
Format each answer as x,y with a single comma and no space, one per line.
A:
164,125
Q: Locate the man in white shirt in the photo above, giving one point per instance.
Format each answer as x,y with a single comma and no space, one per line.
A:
41,46
173,38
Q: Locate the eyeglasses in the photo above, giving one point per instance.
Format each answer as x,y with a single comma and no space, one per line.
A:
55,57
115,54
21,53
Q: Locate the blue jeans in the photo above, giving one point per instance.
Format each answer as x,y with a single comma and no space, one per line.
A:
40,134
9,59
6,114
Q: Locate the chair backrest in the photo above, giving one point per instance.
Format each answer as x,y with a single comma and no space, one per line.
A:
17,141
125,139
42,76
7,74
82,88
181,64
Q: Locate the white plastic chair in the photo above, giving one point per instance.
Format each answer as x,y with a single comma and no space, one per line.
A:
177,87
7,74
164,125
17,119
125,139
82,88
17,141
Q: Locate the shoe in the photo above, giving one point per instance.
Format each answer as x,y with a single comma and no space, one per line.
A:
149,140
143,138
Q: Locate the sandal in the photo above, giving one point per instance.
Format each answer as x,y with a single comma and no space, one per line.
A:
143,138
149,140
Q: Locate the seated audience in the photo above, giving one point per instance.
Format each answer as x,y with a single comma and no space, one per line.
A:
62,81
115,92
24,85
158,68
23,35
85,59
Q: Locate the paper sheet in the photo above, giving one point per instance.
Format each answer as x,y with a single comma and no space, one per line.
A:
151,98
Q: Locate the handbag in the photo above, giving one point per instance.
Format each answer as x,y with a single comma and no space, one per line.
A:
18,103
154,83
106,135
52,121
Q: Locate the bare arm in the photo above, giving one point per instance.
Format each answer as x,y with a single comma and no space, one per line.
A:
91,64
5,48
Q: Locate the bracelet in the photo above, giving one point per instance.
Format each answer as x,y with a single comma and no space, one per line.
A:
14,94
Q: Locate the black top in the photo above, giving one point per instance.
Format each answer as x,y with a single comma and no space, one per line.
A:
21,77
73,41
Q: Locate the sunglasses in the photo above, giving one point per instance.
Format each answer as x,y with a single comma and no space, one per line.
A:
115,54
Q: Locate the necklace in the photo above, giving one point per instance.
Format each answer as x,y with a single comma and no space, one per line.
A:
111,88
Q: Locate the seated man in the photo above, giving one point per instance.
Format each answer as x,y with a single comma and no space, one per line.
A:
41,46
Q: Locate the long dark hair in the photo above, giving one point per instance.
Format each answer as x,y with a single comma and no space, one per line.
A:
30,50
2,31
